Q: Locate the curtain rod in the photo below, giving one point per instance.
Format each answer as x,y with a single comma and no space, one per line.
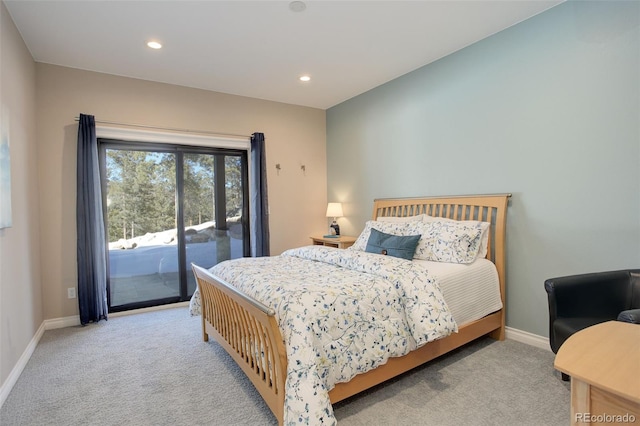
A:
144,126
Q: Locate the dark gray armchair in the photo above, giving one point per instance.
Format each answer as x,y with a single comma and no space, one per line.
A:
580,301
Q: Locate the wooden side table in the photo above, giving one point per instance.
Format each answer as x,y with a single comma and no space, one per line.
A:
604,364
342,241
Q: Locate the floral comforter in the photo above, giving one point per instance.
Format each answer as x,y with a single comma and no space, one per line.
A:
341,313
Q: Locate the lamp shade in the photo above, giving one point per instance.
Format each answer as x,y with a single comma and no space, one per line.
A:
334,210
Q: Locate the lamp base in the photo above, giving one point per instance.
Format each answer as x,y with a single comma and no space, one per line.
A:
334,228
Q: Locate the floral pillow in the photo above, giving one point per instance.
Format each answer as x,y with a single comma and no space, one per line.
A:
484,246
440,241
452,242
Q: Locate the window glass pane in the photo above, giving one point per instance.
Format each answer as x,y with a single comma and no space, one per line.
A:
234,195
213,201
141,226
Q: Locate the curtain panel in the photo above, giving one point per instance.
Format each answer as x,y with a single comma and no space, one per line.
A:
259,216
92,263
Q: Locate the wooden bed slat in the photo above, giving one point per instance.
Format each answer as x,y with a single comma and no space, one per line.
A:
249,332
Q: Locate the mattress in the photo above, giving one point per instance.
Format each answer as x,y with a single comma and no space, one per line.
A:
471,291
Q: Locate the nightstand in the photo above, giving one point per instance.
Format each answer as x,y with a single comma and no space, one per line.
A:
342,241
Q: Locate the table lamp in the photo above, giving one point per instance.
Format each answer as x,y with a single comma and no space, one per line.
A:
334,210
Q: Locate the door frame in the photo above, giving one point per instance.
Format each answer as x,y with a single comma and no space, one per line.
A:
178,144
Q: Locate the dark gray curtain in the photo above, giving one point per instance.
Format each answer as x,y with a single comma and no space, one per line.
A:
259,202
92,264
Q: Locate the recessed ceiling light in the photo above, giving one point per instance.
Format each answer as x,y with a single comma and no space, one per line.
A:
297,6
305,78
154,45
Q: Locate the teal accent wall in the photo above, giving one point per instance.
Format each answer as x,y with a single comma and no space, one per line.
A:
548,110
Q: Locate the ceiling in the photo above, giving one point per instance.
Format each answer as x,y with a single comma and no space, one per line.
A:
260,49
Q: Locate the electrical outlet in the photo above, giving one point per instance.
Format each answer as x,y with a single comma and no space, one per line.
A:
71,292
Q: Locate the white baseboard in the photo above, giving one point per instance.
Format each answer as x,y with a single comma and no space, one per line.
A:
52,324
13,377
528,338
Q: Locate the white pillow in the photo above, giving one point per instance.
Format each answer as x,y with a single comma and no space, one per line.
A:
482,253
406,219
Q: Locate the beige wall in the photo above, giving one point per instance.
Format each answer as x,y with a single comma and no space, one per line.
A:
20,289
294,136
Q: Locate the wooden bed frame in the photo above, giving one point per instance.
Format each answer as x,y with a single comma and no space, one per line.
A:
248,330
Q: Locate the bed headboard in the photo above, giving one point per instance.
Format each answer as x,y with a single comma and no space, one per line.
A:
487,208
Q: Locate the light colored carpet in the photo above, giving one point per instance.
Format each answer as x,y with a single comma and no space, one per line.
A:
154,369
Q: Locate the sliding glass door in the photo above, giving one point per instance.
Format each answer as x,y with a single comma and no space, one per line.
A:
167,207
215,210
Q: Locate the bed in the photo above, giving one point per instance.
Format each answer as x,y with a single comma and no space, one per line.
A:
307,344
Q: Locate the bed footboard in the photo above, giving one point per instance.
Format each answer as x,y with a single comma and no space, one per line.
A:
248,331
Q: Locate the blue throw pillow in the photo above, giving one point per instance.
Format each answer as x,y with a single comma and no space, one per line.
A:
393,245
